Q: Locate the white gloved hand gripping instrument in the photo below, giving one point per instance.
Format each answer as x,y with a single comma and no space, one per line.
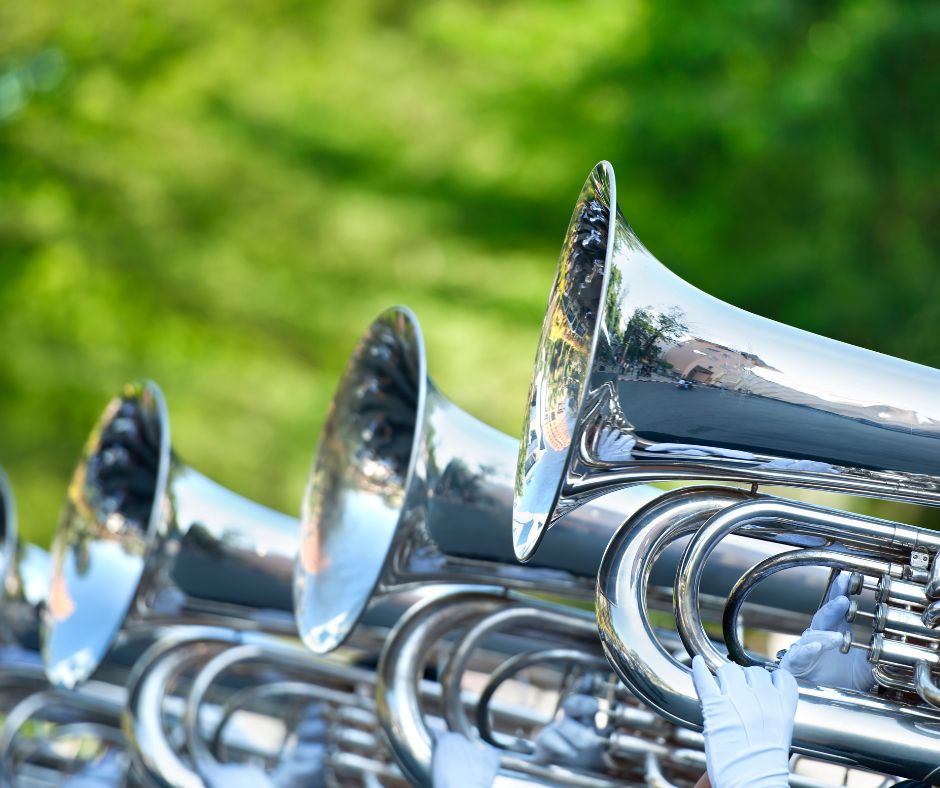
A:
573,739
818,656
748,724
460,763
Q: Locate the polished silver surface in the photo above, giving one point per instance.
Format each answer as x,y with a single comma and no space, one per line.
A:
891,558
144,535
550,651
8,535
49,735
408,489
639,376
256,667
855,729
343,696
398,700
147,687
92,713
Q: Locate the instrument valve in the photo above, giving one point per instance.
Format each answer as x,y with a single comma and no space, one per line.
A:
933,584
856,583
852,611
847,643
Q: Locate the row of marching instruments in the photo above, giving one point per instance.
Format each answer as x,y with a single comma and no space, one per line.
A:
444,576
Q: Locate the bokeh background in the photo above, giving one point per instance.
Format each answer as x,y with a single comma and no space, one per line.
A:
221,196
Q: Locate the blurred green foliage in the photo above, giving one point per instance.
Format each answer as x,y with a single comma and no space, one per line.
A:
221,196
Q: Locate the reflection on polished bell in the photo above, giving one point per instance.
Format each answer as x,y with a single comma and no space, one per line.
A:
144,537
639,376
408,489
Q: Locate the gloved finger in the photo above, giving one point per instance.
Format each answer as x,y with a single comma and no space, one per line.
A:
831,615
457,761
310,729
731,679
580,707
801,658
614,445
551,740
838,586
705,684
826,640
308,749
757,678
863,675
787,687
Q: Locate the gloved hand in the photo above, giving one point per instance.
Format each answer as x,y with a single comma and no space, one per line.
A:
614,445
748,724
572,740
816,657
460,763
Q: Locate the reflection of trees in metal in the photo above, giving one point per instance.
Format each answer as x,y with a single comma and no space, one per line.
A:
460,482
641,343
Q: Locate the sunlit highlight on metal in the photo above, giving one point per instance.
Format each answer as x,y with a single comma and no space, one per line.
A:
143,536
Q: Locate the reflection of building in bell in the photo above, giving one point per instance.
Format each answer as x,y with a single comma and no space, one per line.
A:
712,364
59,602
556,430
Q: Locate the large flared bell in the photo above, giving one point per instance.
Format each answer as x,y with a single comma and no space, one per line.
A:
639,376
408,489
144,537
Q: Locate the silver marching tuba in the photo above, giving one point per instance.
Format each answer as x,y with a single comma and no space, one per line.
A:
695,389
408,489
145,538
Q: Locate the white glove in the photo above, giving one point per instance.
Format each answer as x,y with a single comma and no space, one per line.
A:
460,763
816,657
572,740
748,724
614,445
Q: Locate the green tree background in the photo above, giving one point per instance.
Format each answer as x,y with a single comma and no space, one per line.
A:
220,196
